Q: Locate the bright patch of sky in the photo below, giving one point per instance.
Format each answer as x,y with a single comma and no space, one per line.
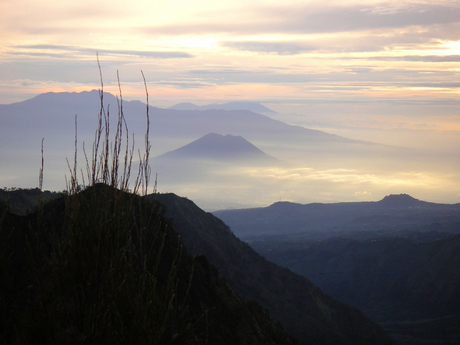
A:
191,49
382,71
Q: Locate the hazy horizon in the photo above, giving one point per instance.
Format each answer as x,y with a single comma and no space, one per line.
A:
316,170
379,71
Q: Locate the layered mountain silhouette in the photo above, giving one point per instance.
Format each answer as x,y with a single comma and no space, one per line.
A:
406,278
251,106
216,147
52,116
382,218
24,201
105,266
43,114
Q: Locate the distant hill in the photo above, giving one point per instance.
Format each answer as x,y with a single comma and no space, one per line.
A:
402,200
251,106
216,147
303,309
391,215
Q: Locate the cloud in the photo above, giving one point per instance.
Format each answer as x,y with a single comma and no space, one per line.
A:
52,49
319,19
440,85
347,177
184,84
382,40
277,47
365,193
346,77
258,186
422,58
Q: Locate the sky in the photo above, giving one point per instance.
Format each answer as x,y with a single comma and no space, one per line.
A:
382,71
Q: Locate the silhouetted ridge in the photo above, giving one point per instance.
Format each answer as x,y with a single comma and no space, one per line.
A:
400,200
106,266
285,205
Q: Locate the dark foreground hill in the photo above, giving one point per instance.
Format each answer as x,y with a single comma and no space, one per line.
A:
303,309
105,267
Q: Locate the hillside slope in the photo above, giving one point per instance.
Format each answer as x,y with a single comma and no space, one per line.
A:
303,309
105,267
412,288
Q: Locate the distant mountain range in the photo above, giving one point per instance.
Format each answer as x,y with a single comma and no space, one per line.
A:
393,213
251,106
51,117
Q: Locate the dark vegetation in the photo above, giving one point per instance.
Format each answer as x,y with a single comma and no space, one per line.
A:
105,267
102,265
397,260
303,309
23,201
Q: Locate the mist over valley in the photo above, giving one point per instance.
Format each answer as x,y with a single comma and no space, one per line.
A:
318,167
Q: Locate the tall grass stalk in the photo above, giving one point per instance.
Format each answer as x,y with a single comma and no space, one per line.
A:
105,265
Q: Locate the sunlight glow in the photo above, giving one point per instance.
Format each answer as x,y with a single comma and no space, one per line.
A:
380,71
453,47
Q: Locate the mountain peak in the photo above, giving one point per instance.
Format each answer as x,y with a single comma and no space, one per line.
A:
400,200
215,146
185,106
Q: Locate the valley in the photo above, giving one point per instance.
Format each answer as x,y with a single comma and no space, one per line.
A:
396,259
